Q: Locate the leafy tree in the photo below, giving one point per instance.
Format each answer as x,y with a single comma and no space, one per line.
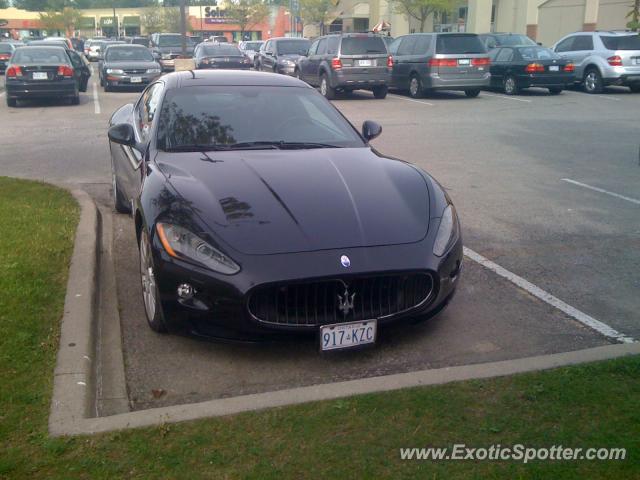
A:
634,15
4,4
31,5
65,20
246,13
153,19
315,12
421,9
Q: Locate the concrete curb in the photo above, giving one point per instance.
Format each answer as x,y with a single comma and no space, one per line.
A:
293,396
73,384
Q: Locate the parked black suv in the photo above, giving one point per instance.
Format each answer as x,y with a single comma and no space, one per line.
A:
347,62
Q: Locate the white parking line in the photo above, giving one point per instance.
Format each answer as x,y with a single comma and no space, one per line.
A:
546,297
506,97
96,102
601,190
411,100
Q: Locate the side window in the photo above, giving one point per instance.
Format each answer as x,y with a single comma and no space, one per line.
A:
313,48
75,59
332,45
505,55
146,109
565,45
582,42
322,46
267,46
493,54
393,48
406,47
422,45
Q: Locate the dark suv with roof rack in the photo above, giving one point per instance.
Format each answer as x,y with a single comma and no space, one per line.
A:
347,62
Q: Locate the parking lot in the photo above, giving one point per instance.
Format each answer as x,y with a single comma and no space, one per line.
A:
547,187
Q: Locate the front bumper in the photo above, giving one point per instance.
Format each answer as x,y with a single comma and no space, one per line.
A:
219,308
286,69
168,64
125,80
31,89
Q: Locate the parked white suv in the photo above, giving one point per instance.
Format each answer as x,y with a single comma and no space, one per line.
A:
603,58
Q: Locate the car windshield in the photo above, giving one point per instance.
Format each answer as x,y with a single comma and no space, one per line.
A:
5,48
255,46
292,47
363,45
538,53
124,54
224,50
172,40
207,117
622,42
459,44
40,56
504,40
140,41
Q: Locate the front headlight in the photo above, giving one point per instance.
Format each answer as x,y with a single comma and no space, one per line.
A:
114,71
288,63
447,232
166,56
153,70
179,242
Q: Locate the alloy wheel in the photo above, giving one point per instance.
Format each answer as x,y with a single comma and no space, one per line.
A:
510,85
323,86
148,278
414,86
591,81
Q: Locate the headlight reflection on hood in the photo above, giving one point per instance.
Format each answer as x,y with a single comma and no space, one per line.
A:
180,242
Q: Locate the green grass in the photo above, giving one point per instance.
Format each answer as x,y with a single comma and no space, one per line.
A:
594,405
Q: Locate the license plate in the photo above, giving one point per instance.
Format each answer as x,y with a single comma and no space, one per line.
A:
464,61
365,63
40,75
136,79
554,68
347,335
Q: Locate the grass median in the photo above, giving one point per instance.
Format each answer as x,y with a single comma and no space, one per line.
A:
593,405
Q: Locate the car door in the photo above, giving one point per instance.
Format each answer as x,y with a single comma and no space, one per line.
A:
81,71
317,60
403,48
501,66
305,63
269,60
130,174
581,49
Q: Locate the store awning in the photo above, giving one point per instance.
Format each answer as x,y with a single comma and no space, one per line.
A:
132,21
87,23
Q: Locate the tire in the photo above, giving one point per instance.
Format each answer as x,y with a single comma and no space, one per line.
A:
510,85
592,81
107,88
101,82
415,87
119,201
472,93
635,88
12,102
150,293
325,87
380,92
555,90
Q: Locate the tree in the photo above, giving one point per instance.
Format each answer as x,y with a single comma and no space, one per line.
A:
153,19
246,13
315,12
634,15
31,5
421,9
65,20
4,4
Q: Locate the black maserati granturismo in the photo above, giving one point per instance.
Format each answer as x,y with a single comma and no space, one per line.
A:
261,212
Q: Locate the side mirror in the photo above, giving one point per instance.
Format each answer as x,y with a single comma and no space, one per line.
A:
123,134
539,43
269,53
371,130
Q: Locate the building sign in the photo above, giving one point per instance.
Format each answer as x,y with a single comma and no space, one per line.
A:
215,15
106,21
87,23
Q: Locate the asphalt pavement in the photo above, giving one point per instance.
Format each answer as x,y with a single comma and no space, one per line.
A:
521,171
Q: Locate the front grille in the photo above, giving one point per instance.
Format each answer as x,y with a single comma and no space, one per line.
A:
135,70
319,303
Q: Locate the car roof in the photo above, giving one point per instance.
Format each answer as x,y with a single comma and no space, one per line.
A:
41,45
124,45
290,38
193,78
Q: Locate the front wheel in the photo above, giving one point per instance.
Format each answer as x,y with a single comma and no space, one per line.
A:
593,81
510,85
380,92
555,90
472,93
150,292
325,88
119,200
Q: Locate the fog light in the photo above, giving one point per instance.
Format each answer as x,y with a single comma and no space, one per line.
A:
185,291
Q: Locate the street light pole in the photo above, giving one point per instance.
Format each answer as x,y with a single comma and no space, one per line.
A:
183,28
115,22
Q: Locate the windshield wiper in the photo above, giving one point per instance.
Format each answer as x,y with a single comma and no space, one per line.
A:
305,145
196,147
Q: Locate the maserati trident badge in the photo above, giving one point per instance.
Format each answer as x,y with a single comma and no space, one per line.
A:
344,260
345,301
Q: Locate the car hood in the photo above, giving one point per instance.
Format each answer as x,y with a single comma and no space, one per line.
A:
274,201
129,65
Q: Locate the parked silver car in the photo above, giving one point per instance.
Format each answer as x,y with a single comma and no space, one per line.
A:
603,58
